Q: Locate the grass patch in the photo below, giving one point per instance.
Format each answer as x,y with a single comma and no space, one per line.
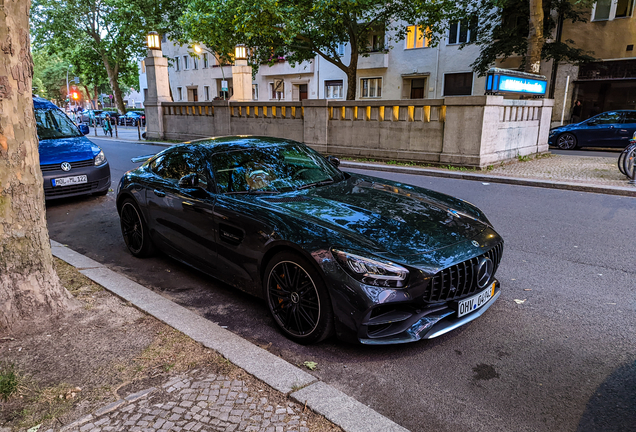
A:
9,381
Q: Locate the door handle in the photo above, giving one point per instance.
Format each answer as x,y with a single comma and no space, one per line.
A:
159,193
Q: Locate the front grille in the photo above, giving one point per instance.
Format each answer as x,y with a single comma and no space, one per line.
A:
78,164
459,280
64,190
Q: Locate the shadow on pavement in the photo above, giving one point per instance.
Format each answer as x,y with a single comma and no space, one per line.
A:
613,405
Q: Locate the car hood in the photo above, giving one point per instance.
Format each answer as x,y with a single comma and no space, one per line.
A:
60,150
400,219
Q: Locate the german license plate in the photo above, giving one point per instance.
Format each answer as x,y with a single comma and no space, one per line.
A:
475,302
68,181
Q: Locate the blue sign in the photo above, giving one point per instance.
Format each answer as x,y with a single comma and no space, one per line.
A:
513,82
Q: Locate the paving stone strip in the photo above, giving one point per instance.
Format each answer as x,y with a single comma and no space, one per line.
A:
198,402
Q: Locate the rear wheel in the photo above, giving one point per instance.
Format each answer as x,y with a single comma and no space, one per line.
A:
134,230
298,299
566,141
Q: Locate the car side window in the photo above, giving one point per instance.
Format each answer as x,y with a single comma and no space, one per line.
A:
608,118
629,117
172,166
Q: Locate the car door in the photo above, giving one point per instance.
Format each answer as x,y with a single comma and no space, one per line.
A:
181,217
627,128
601,131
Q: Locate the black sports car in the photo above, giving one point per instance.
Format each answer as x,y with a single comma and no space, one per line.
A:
371,260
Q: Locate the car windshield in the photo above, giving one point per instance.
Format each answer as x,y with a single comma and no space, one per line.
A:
272,169
53,124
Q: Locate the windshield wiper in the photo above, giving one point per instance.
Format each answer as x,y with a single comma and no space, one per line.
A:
247,192
320,183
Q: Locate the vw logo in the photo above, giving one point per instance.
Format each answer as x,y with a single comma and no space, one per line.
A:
475,243
484,272
65,166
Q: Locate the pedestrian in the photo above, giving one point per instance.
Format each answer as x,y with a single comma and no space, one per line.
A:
576,112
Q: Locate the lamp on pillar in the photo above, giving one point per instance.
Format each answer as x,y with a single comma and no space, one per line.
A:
154,41
241,74
158,87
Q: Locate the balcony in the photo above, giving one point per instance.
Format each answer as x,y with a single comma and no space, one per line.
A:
376,60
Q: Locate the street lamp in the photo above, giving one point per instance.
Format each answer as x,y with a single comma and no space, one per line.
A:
154,41
240,52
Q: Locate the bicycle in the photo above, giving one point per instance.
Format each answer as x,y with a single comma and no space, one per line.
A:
627,159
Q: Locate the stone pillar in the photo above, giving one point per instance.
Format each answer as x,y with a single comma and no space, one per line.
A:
242,80
158,92
316,124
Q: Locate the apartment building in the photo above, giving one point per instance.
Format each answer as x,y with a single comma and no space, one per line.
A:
407,69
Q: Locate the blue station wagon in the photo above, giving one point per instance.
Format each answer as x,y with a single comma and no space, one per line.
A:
608,129
71,164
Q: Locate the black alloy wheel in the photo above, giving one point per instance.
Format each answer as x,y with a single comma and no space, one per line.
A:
134,230
297,299
566,141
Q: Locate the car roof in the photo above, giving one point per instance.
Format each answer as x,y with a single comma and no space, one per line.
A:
237,142
41,103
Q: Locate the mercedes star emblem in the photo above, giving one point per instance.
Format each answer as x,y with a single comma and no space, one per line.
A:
65,166
475,243
484,272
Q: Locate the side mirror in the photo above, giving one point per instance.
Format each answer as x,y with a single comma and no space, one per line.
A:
334,161
192,181
84,129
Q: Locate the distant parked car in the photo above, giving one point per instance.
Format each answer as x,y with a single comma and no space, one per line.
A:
71,164
87,116
608,129
133,118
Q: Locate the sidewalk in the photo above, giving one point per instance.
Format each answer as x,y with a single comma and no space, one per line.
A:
195,401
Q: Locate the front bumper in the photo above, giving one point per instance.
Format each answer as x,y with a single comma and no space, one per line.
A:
98,181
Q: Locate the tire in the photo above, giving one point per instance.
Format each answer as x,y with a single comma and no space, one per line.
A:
629,162
134,230
566,141
297,299
621,161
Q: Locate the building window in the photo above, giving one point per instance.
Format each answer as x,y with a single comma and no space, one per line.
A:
340,49
176,63
277,89
416,37
461,32
195,63
458,84
254,91
371,87
143,66
186,63
608,10
206,92
205,61
179,93
334,89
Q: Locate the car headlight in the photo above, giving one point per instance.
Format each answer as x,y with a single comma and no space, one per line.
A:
372,271
100,159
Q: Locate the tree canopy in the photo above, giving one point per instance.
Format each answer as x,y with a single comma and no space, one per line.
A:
301,29
504,28
111,31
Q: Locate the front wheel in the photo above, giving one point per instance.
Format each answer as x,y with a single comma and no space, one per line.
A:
566,141
298,299
134,230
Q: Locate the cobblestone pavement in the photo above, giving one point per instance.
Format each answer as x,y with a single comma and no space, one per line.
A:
591,170
196,402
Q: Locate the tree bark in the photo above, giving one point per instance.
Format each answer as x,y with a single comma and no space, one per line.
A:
114,85
29,286
535,37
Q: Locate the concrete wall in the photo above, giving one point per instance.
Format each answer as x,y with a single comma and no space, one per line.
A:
466,131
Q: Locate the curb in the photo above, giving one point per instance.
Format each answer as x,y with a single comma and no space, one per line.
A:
579,187
340,409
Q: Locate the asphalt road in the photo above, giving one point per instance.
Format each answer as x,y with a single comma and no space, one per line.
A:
556,352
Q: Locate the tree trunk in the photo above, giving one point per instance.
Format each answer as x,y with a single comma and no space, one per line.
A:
352,72
29,286
114,85
535,37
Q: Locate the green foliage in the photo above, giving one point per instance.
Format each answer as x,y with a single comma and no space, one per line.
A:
301,29
504,26
9,381
310,365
